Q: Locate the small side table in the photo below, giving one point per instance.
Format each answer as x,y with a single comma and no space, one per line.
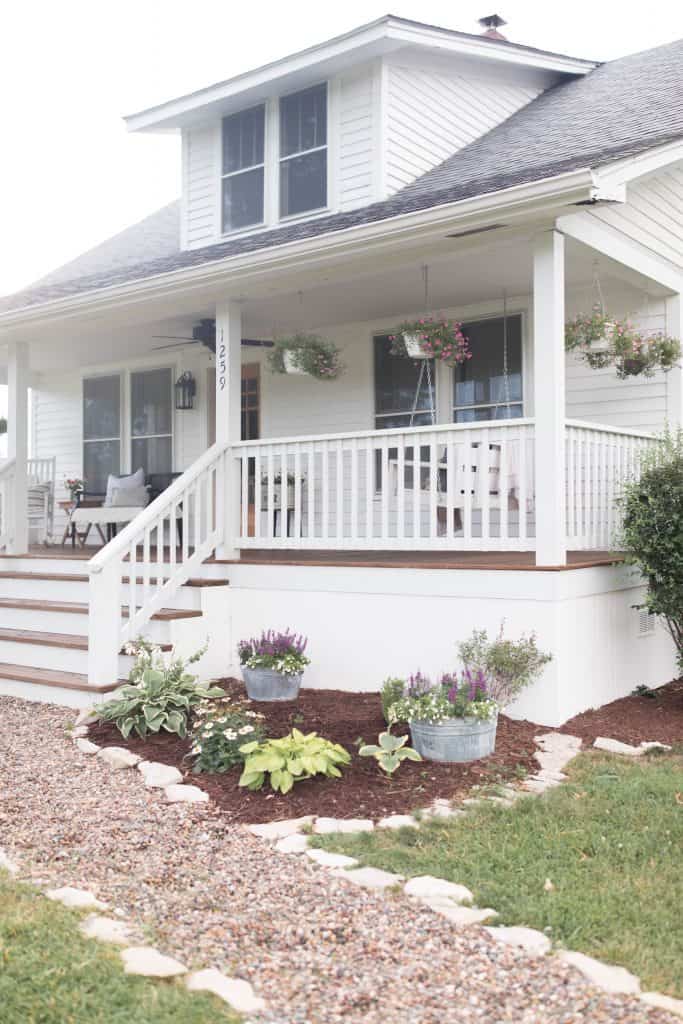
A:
71,532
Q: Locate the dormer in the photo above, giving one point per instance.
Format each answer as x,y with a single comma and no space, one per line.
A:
343,124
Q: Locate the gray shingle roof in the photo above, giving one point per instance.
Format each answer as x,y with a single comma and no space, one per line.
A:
621,108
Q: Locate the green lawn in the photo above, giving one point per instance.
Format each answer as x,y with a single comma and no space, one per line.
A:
51,974
610,840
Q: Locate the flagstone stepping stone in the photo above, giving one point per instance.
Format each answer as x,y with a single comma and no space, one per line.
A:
557,750
7,863
462,917
71,897
281,829
663,1002
426,888
151,963
118,757
105,929
237,993
177,794
605,976
297,843
86,716
371,878
159,776
655,745
325,825
331,860
617,747
86,747
398,821
78,731
529,939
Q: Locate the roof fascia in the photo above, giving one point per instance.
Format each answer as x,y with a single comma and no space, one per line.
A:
649,161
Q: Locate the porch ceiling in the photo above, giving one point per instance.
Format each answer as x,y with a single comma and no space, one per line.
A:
463,272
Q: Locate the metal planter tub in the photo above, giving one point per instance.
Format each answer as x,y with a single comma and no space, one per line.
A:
455,741
266,684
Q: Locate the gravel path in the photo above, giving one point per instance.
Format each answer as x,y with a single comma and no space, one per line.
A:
318,949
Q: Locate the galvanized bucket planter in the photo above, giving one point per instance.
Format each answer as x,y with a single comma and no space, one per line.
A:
266,684
455,741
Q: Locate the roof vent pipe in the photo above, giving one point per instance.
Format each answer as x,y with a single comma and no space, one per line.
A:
490,24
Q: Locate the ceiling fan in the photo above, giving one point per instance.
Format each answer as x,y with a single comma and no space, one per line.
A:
204,333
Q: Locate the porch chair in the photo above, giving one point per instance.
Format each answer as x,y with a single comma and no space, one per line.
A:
41,499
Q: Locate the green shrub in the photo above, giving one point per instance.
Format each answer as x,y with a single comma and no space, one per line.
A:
391,692
390,752
220,728
652,531
291,759
508,665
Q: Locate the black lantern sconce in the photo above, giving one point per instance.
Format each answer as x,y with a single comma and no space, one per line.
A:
185,390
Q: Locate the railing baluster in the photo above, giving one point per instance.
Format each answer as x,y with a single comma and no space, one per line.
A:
522,490
325,483
433,488
486,466
297,497
502,486
369,491
469,454
401,490
310,467
386,487
257,493
284,494
339,452
354,492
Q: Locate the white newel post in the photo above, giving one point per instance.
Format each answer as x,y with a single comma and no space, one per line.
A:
104,623
228,415
674,379
549,399
17,442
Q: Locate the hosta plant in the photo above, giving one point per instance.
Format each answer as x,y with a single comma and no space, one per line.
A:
159,696
220,728
389,752
293,758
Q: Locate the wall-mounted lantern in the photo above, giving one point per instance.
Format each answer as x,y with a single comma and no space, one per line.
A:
185,390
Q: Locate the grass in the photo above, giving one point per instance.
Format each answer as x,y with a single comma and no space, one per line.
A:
609,840
51,974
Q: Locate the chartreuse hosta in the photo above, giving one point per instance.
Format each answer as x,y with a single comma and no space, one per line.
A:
291,759
390,752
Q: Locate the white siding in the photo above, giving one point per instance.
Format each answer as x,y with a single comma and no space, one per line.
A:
58,431
356,142
652,214
432,114
200,184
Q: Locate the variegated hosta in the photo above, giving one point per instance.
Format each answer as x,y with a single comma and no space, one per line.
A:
390,752
291,759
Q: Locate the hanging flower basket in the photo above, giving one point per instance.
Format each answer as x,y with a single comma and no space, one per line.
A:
601,341
306,354
431,338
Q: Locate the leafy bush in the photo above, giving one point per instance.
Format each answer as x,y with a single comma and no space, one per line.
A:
220,728
390,752
159,696
291,759
310,353
652,531
392,690
281,652
507,665
467,697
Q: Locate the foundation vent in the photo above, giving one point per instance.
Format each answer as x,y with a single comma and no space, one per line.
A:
646,622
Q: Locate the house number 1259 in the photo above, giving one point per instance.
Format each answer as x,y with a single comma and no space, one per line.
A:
222,366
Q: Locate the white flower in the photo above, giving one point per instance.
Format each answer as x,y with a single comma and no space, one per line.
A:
252,714
245,729
230,734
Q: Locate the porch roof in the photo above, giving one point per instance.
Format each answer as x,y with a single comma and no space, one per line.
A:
620,109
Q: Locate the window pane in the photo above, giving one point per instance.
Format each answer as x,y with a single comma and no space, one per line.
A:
154,454
243,200
489,412
481,380
396,381
100,458
303,183
101,407
243,136
150,400
303,120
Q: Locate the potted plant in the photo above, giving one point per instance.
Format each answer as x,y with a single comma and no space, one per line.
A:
602,341
273,664
75,486
307,354
431,338
591,335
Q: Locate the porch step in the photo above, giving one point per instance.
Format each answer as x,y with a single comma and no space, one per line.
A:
71,641
49,677
74,587
45,649
81,608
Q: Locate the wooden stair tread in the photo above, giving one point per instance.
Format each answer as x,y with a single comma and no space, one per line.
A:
81,608
67,577
49,677
72,641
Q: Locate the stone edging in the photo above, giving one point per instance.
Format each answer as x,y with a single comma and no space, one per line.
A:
454,901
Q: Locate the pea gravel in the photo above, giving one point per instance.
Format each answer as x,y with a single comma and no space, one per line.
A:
318,949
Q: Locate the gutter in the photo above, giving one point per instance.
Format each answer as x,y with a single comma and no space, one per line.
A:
517,202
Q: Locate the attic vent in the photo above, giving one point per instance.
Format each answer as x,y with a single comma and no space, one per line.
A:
491,23
646,622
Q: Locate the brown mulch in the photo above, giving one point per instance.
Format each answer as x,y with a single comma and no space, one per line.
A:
362,791
658,716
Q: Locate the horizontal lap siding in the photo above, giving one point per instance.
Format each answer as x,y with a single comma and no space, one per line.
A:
432,114
58,431
356,140
200,182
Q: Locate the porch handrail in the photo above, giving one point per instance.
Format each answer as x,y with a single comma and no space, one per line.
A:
603,428
188,512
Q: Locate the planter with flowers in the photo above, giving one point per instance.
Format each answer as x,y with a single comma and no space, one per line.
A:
273,664
431,338
601,341
75,486
306,354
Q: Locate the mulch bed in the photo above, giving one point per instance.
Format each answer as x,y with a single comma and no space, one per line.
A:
362,791
658,716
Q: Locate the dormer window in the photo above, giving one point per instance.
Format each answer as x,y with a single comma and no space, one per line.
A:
243,168
303,151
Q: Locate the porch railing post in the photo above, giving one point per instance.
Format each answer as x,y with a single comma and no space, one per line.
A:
229,417
104,623
674,379
17,444
549,399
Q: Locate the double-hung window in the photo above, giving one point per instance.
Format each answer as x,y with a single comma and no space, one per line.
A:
489,385
303,151
151,420
243,168
101,431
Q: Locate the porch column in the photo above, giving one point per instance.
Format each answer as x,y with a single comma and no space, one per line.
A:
549,399
674,379
228,415
17,442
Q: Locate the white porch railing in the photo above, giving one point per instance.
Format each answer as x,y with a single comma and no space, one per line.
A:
6,502
599,459
457,486
152,558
